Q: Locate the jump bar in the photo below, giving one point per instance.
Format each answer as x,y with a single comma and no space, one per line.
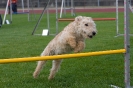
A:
64,56
95,19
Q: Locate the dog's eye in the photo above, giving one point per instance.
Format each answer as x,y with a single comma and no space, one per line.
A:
86,24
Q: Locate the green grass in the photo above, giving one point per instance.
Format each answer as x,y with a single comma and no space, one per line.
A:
85,72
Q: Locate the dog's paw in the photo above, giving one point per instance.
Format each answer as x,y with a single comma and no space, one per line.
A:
35,75
51,77
76,51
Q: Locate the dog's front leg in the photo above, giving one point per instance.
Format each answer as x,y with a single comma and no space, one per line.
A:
72,42
79,47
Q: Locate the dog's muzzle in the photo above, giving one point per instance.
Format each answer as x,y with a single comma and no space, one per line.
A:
93,34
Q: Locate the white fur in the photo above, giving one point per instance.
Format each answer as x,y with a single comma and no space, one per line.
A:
72,38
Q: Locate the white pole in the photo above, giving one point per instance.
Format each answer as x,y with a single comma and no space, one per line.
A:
130,8
64,7
127,44
48,23
38,3
28,10
56,5
5,12
11,11
72,8
61,8
98,2
22,5
117,27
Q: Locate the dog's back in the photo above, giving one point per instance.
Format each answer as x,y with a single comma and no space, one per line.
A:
59,44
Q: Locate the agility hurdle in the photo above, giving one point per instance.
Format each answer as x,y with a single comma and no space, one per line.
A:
40,18
6,11
95,19
126,38
65,56
126,51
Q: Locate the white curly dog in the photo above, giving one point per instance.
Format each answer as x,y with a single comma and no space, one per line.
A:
72,38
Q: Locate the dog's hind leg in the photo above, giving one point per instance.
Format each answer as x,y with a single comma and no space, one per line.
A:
40,65
54,69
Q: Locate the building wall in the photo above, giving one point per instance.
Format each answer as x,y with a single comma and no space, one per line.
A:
41,3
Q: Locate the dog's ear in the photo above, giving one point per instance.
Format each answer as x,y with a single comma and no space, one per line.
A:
90,18
78,18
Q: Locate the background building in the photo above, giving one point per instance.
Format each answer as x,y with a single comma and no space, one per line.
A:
41,3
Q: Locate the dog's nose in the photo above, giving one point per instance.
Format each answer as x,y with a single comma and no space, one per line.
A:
93,33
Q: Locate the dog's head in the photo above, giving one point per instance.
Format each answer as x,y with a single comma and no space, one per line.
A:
86,26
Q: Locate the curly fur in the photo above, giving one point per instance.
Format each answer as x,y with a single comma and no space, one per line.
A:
72,38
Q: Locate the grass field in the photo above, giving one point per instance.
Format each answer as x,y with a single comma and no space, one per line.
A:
85,72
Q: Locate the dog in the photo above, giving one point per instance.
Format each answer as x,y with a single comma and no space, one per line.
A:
72,38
